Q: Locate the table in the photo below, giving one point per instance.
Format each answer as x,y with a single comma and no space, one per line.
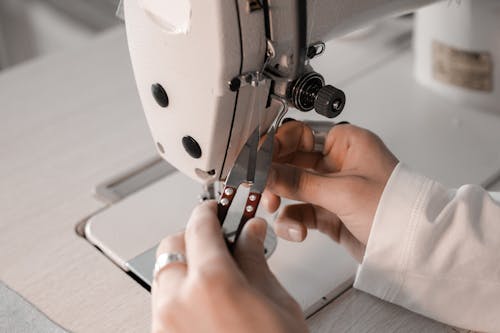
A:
68,122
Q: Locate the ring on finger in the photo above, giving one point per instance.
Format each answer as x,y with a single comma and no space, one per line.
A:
166,259
320,131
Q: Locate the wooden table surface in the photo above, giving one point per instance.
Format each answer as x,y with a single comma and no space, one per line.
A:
68,122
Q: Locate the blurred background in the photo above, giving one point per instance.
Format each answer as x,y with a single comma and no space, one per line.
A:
32,28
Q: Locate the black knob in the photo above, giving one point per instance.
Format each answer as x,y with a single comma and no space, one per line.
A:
160,95
191,146
330,101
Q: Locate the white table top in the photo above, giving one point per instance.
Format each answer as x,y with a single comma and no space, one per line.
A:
67,123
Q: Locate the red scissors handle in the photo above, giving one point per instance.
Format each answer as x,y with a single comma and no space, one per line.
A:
251,205
225,202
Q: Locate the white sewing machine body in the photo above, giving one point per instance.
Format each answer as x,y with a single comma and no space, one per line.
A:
206,71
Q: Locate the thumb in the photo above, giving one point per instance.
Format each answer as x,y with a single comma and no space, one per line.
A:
249,251
249,254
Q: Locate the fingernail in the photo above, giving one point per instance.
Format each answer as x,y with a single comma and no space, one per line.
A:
294,235
287,120
342,123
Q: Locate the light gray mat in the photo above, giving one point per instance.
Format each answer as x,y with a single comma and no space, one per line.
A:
19,316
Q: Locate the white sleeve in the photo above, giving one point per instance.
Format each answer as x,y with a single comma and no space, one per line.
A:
436,251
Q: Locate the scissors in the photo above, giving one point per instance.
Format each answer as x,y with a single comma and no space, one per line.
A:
251,167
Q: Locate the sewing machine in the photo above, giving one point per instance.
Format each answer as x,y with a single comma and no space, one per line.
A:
210,72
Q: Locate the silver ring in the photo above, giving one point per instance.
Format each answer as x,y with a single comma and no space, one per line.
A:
320,131
166,259
319,141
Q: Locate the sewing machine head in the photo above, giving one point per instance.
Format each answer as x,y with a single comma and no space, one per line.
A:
210,72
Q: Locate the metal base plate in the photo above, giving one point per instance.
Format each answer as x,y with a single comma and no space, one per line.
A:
129,231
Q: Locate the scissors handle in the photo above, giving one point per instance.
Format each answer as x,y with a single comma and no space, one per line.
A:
251,205
225,202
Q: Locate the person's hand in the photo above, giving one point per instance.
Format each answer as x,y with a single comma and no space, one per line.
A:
214,292
341,186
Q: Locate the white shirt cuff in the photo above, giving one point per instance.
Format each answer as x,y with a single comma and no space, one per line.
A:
392,234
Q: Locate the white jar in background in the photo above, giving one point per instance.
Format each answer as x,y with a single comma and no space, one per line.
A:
457,51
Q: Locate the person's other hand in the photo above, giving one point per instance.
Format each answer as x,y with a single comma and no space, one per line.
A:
341,186
214,292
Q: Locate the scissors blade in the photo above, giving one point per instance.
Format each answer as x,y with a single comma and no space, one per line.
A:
264,161
244,167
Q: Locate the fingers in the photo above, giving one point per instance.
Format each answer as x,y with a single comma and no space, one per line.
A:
270,201
170,278
355,148
293,183
295,145
303,160
294,220
290,226
337,144
205,245
292,137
